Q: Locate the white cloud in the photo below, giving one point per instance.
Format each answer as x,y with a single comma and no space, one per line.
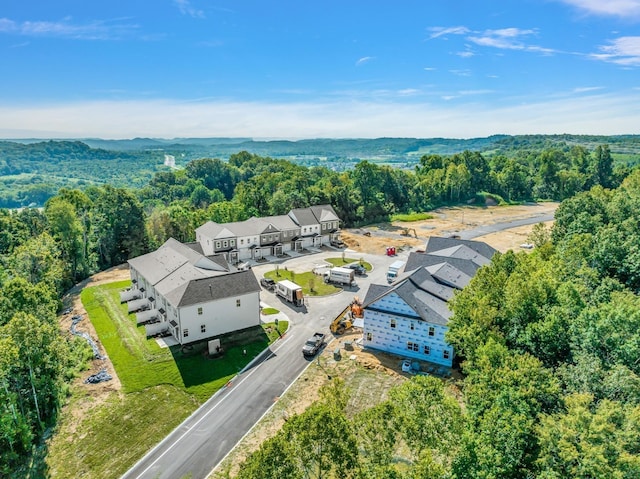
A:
619,8
444,31
622,51
186,8
594,114
507,38
363,60
96,30
587,89
465,54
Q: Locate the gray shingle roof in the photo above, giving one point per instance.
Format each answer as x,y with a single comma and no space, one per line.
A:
431,279
303,216
219,287
324,213
437,243
177,271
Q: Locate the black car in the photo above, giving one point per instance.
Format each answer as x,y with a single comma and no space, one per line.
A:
268,283
358,268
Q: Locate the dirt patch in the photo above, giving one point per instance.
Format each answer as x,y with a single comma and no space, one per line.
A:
376,238
71,300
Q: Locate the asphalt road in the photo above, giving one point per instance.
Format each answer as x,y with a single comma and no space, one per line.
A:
198,445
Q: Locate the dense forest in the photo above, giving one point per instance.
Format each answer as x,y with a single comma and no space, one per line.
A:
541,356
33,171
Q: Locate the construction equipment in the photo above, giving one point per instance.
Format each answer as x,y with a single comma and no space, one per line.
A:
345,319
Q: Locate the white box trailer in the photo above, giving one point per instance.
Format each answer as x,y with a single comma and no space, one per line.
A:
290,291
340,276
394,269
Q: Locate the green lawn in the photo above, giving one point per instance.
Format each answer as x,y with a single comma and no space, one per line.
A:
312,284
342,262
140,363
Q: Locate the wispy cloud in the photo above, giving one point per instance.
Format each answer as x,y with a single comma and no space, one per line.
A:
96,30
617,8
445,31
587,89
601,114
363,60
504,38
186,8
461,73
623,51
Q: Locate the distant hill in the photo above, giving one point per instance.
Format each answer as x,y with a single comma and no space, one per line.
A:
33,170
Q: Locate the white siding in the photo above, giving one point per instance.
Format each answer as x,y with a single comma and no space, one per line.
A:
379,334
219,317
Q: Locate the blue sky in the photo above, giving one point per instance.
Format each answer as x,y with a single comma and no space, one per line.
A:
311,69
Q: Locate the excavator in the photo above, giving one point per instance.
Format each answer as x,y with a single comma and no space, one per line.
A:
345,319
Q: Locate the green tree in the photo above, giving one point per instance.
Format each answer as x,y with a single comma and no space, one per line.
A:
590,440
118,227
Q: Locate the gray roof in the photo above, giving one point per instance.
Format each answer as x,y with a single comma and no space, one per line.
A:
437,243
431,279
283,222
324,213
178,272
212,289
449,275
303,216
269,224
421,260
374,292
171,256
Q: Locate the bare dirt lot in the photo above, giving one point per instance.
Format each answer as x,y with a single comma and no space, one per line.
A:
446,222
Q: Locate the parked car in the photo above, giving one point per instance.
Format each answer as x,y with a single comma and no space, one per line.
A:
268,284
358,268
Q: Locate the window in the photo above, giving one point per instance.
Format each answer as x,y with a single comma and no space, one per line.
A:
412,327
369,337
203,328
432,331
233,242
411,346
225,244
393,323
304,229
200,311
445,354
185,333
242,241
217,244
237,303
427,350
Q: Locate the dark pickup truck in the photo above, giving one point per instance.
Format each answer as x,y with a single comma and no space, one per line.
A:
268,284
313,344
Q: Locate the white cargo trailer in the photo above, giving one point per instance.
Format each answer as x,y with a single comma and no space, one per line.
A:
290,291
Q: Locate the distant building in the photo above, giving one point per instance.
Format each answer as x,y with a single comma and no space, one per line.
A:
257,238
410,317
179,290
